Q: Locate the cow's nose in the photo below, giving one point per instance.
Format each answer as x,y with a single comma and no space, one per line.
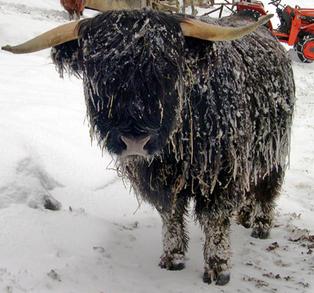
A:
135,146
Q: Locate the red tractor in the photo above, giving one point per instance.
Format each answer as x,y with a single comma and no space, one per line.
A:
296,25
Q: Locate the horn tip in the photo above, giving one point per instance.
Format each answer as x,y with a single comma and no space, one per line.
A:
264,19
7,48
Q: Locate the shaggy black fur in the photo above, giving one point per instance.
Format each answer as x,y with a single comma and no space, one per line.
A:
129,92
219,115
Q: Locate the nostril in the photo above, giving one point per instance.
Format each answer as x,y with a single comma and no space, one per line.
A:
138,142
146,143
123,144
135,144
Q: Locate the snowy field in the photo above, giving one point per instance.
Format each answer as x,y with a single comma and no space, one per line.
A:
103,240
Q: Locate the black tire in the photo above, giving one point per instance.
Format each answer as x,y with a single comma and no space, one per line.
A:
300,45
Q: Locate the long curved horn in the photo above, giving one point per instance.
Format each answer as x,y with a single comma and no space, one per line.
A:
61,34
105,5
205,31
190,27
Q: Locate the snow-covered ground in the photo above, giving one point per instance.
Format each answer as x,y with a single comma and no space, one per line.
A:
102,241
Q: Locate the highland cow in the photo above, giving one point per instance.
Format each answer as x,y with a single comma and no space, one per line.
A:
193,110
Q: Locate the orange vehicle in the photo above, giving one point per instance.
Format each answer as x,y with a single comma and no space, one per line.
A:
296,25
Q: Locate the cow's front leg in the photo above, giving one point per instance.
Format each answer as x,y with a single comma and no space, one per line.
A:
174,236
216,249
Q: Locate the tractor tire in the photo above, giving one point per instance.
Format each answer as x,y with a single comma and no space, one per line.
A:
301,48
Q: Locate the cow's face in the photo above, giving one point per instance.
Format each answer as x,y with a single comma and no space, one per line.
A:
132,70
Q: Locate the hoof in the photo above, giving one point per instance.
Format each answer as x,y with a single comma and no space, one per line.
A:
223,279
172,263
260,233
207,278
172,267
220,279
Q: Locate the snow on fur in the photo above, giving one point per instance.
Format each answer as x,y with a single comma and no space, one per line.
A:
109,236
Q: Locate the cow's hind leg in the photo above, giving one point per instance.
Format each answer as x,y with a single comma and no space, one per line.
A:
258,211
216,248
265,195
175,238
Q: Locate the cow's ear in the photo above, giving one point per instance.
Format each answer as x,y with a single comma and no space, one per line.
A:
68,58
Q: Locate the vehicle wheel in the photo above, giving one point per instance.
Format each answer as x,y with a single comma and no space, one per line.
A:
305,48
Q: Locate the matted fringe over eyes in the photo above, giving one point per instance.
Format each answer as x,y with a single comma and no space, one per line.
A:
190,27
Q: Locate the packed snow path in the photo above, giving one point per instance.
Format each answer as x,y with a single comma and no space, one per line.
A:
101,240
